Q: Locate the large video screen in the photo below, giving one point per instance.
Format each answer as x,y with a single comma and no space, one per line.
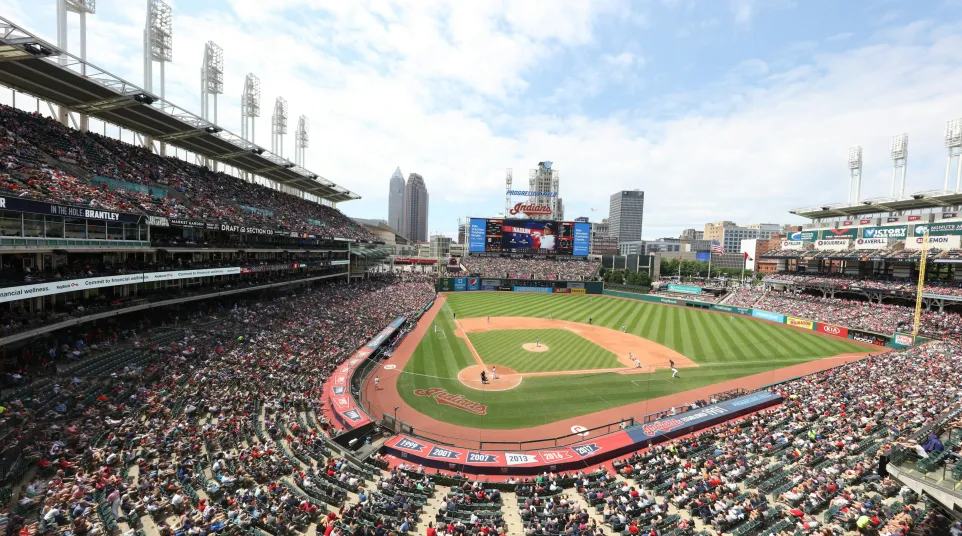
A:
542,237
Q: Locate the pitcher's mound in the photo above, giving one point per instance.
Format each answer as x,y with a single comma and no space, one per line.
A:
532,347
507,378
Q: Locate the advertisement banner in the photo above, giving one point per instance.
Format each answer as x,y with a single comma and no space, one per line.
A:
938,229
582,240
573,284
476,235
833,245
460,284
688,289
872,243
800,323
577,291
830,329
867,337
901,340
803,236
474,283
589,451
895,231
59,287
729,309
792,244
766,315
849,233
534,290
941,242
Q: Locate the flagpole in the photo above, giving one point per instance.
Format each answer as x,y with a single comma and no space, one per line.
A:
711,253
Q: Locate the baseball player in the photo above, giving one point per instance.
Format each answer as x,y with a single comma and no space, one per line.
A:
637,362
731,319
537,342
377,383
489,319
435,328
674,371
494,373
623,328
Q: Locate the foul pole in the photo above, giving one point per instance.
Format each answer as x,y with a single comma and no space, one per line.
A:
921,287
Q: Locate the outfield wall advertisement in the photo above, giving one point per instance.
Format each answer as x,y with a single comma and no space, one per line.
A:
800,323
582,453
768,315
690,289
546,286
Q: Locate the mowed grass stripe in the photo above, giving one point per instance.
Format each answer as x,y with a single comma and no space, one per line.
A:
732,350
566,351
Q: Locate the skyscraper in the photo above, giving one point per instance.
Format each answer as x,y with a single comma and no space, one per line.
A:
415,225
548,180
395,201
626,212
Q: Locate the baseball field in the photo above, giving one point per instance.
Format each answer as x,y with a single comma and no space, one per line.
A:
562,356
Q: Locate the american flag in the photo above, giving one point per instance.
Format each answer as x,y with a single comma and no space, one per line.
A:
716,247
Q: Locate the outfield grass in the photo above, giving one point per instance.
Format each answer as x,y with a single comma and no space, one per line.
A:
566,351
724,351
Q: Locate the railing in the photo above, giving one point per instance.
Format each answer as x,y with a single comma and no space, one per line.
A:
22,242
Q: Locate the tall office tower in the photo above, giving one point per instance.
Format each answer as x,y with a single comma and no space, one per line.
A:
626,211
395,201
415,209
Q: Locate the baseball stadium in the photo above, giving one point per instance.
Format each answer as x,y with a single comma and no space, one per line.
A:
197,339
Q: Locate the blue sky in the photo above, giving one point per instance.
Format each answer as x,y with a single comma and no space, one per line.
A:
739,110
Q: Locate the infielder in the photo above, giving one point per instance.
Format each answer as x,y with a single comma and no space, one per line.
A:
494,373
674,371
623,328
489,320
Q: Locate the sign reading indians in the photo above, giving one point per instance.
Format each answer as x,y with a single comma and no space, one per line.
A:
442,396
530,210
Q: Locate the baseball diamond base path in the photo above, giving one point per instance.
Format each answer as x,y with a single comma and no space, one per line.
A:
388,396
650,353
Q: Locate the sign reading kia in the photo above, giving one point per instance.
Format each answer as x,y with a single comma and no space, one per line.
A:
895,231
940,242
792,244
871,243
833,245
838,331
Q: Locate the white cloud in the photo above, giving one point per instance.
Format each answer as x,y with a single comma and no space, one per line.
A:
437,89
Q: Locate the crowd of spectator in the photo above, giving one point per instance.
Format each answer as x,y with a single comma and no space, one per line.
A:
531,268
208,427
41,159
884,318
823,450
884,283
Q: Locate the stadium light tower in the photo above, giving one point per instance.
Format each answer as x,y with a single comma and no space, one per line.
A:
301,139
250,106
278,126
158,42
953,142
855,174
211,80
81,8
508,180
900,153
158,46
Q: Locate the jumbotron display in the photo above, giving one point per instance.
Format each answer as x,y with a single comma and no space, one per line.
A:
541,237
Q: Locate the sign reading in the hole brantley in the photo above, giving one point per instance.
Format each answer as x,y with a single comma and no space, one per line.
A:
585,451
